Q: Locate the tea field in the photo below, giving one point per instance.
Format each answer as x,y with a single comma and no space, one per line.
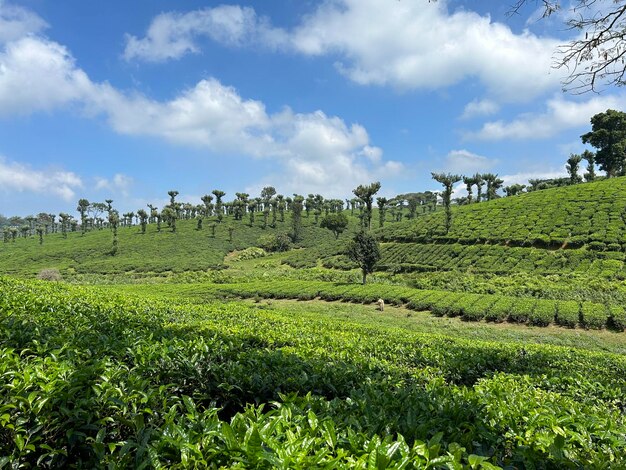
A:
95,378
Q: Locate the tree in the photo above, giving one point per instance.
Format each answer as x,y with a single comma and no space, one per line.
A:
365,193
40,232
218,203
590,157
608,135
514,189
493,184
365,252
469,182
597,54
114,220
447,180
296,217
65,221
382,210
143,218
573,163
336,223
479,182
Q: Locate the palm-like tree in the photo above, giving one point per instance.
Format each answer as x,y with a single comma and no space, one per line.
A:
83,207
447,180
365,193
382,209
218,203
143,219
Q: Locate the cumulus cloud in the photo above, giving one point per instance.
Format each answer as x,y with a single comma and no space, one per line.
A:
464,161
119,183
479,108
560,114
17,22
173,35
408,45
40,75
17,177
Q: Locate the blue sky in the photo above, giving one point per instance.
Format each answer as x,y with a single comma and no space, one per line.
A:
103,100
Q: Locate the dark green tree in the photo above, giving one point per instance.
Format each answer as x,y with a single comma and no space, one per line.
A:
590,157
573,163
143,219
608,136
382,210
296,217
365,193
335,222
447,180
363,249
219,208
514,189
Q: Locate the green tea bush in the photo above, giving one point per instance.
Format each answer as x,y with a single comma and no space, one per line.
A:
543,314
568,313
593,315
617,317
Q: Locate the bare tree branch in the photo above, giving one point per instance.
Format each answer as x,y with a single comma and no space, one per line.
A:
596,58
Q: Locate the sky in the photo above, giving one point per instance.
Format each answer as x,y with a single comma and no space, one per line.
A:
128,100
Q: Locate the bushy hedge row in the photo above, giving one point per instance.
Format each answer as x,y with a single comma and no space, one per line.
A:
471,307
417,257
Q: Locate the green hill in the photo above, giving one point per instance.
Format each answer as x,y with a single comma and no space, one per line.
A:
574,229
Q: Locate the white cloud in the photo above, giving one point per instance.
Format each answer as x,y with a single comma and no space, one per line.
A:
17,177
477,108
408,45
561,114
40,75
119,183
173,35
466,162
17,22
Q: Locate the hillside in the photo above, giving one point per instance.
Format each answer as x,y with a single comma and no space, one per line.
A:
591,213
574,229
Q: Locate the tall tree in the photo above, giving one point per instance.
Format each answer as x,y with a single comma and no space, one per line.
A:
208,207
83,207
143,219
514,189
608,135
590,157
573,163
447,180
219,208
382,210
296,217
365,252
365,193
114,220
493,184
479,182
469,182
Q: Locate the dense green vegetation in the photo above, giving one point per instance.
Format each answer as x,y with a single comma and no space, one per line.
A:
162,361
96,379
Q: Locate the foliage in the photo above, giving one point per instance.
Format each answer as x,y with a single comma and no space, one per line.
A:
170,384
336,223
364,251
249,253
275,242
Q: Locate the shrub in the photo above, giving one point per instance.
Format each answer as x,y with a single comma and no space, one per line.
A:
597,246
521,310
499,311
568,313
249,253
543,314
50,274
617,317
273,242
593,315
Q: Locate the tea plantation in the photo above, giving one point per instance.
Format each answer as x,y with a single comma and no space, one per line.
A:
501,345
174,384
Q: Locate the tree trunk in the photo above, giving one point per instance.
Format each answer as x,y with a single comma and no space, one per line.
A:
364,276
